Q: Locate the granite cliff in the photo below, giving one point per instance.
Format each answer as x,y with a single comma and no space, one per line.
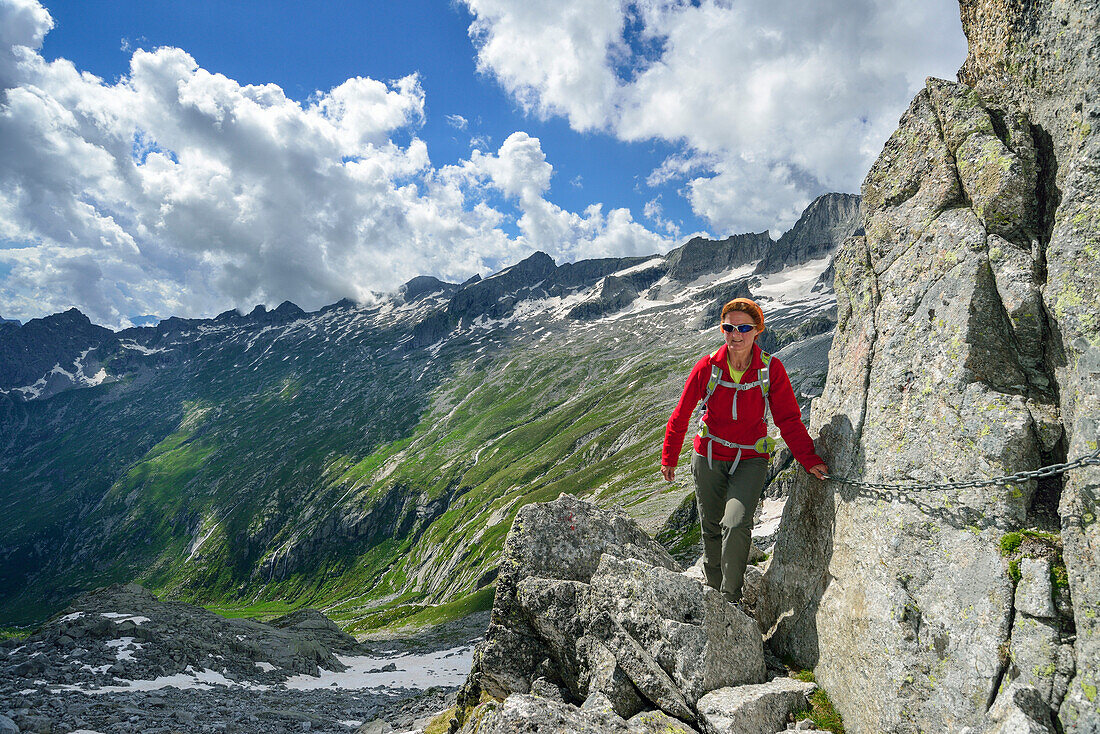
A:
967,347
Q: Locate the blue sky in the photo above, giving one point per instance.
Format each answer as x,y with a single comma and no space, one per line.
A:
305,51
228,154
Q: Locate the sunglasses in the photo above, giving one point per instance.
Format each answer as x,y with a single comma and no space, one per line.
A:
743,328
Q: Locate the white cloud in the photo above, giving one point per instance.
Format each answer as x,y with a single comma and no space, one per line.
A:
551,54
25,24
178,191
676,167
519,169
458,122
654,211
796,97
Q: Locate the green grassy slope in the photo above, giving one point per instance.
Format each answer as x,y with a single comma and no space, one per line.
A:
267,471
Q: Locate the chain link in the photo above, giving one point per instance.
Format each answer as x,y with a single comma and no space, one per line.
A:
1092,459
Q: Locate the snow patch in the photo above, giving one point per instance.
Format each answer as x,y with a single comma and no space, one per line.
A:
135,347
266,667
203,680
793,285
119,618
71,617
441,668
771,514
640,267
126,648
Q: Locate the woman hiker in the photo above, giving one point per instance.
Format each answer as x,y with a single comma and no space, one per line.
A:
737,384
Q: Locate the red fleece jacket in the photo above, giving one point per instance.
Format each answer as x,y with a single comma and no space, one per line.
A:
750,425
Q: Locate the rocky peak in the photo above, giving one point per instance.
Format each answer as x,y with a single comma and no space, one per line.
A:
587,272
30,351
527,271
700,256
289,310
423,285
824,225
537,276
484,296
342,304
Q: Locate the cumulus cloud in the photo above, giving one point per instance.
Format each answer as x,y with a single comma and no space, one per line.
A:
520,171
551,54
179,191
25,24
773,101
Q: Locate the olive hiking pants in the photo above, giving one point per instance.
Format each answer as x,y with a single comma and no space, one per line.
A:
727,503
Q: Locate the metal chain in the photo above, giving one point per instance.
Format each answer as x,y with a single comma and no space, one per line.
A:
1046,471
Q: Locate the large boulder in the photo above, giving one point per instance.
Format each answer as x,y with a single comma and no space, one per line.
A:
601,612
755,709
526,713
967,346
690,630
552,541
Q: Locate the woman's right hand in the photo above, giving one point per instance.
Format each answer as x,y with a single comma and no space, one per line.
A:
668,472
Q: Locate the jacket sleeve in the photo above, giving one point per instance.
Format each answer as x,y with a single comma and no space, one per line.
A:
694,390
788,417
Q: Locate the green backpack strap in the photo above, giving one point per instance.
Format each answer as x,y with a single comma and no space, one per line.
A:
712,385
765,381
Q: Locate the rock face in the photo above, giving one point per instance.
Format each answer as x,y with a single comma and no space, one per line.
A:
618,291
827,222
590,610
700,255
967,346
33,349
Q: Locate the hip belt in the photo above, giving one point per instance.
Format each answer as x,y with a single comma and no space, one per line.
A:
764,445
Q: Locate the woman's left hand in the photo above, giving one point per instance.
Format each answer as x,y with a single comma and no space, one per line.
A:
819,471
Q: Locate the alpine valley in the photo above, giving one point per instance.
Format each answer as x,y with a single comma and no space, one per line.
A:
368,460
